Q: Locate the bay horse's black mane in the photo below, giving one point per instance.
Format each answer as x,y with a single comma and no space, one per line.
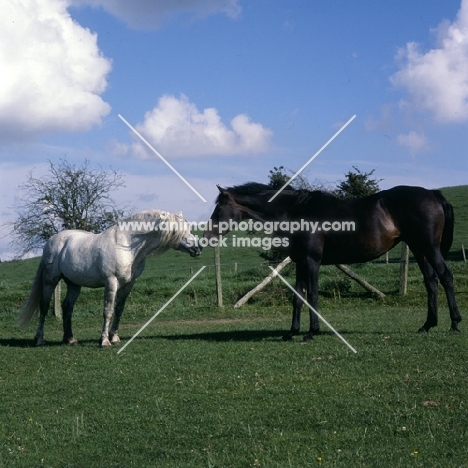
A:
249,188
301,195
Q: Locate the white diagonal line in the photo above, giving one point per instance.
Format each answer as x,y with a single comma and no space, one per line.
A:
161,309
312,158
162,158
308,305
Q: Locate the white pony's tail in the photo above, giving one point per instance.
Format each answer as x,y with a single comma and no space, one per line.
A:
30,307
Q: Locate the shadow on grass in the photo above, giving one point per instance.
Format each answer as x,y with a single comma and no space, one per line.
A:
215,336
241,335
232,335
29,343
23,343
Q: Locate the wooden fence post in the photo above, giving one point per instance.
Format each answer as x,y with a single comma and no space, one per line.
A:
58,300
360,280
260,286
219,287
287,260
404,260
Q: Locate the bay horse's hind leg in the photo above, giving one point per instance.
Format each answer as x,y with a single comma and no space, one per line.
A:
434,269
73,291
446,280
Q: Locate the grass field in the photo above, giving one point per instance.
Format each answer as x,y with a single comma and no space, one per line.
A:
204,386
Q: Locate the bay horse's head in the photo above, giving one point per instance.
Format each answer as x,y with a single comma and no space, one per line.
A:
235,204
226,209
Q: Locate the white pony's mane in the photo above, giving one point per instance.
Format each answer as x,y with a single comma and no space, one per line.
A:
168,237
145,215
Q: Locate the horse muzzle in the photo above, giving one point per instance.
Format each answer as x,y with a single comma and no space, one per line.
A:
195,251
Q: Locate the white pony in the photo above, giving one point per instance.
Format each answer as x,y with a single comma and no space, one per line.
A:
113,259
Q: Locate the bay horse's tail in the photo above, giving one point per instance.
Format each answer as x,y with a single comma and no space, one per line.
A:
30,307
447,234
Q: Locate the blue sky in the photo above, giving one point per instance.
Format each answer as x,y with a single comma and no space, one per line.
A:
225,90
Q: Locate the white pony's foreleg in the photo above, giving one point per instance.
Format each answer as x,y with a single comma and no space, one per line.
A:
122,295
110,292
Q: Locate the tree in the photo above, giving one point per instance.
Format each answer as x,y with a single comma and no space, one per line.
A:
69,197
277,178
357,184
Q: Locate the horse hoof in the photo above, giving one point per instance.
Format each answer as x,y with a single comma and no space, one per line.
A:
40,342
105,344
71,341
422,330
455,330
115,340
287,337
307,338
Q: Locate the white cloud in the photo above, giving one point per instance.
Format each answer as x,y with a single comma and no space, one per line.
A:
414,141
143,14
437,81
176,128
52,72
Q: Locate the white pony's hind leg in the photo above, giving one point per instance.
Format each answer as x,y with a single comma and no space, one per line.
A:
50,278
47,291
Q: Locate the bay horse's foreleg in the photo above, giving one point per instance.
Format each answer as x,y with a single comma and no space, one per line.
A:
312,297
300,287
73,291
434,269
110,291
122,296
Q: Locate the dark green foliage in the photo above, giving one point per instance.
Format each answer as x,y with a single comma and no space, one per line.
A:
277,177
357,184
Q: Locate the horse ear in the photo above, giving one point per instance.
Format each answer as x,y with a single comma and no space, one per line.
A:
220,188
180,213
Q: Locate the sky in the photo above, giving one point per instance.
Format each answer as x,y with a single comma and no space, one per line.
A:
225,90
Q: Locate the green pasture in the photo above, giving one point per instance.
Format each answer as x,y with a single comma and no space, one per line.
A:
204,386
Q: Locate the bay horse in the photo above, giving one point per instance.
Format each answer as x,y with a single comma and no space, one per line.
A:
422,218
113,259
